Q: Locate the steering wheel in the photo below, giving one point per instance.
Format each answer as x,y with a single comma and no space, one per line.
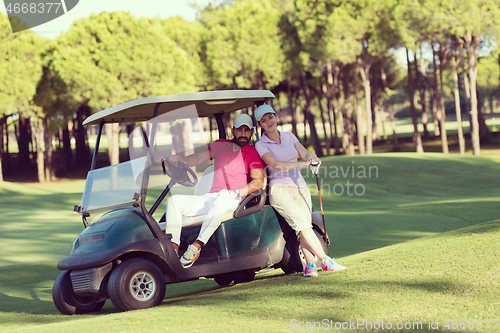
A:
180,173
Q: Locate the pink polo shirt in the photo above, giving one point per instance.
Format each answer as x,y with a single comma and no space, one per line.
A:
232,168
285,152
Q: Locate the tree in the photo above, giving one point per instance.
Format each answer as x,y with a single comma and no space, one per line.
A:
112,58
341,47
58,108
376,23
488,81
417,139
442,55
189,36
467,22
242,45
323,34
20,66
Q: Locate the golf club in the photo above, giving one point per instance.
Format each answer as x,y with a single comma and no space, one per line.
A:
315,169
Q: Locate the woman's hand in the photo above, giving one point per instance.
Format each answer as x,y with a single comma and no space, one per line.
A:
312,157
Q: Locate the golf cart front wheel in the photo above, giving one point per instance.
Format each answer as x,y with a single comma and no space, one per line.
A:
67,302
136,284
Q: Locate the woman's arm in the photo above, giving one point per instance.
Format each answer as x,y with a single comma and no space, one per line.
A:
304,154
280,165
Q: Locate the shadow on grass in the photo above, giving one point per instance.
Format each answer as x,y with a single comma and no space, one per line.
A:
23,289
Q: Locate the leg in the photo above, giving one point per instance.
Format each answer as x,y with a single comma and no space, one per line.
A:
178,206
223,203
218,204
310,242
295,206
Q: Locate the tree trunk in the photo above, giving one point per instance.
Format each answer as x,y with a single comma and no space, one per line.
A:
309,116
375,118
483,129
389,107
458,111
490,99
381,118
49,172
319,95
421,77
3,122
334,92
298,116
292,110
435,96
466,84
332,119
472,54
66,146
416,135
6,156
23,135
365,75
38,133
113,134
359,116
82,150
347,140
442,61
182,143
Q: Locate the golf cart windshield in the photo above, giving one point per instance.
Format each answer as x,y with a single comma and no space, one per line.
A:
179,132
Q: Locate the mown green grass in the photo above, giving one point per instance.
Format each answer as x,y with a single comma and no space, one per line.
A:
421,244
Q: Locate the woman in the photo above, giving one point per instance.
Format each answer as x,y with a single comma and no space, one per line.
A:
289,193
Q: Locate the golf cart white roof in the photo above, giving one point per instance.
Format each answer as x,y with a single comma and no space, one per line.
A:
207,104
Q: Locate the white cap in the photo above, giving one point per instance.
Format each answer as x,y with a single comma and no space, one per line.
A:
262,110
243,119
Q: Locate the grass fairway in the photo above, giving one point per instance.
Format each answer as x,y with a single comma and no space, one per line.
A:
419,237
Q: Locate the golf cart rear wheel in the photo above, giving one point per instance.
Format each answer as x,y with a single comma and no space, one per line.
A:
227,279
136,284
297,260
67,302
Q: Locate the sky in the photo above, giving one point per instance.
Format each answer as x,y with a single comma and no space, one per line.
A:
146,8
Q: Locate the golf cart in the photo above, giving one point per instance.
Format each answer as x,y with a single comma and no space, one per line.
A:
123,252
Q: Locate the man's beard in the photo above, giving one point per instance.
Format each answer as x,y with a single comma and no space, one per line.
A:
241,141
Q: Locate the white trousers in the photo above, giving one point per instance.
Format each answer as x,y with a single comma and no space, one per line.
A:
213,205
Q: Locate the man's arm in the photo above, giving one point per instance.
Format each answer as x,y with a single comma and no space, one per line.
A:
192,160
256,183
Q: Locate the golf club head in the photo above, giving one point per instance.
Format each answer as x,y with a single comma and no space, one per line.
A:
315,166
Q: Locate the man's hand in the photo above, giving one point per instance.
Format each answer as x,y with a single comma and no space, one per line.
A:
174,159
229,193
